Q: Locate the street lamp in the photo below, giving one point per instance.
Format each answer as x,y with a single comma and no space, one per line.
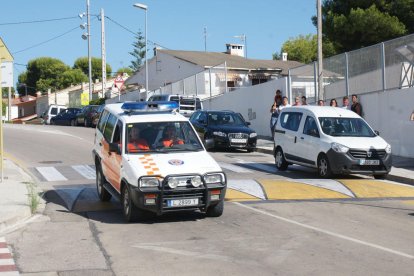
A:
87,36
145,8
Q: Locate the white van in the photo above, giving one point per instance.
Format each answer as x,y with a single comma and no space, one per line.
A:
332,139
51,112
149,156
187,104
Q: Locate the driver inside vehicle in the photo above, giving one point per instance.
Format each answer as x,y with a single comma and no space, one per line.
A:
169,137
135,142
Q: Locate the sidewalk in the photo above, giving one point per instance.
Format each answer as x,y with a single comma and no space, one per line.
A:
401,171
15,198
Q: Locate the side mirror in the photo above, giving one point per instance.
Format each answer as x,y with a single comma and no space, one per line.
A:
248,123
114,147
203,122
209,144
377,132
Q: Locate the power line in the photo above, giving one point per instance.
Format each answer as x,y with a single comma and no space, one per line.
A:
37,21
132,32
46,41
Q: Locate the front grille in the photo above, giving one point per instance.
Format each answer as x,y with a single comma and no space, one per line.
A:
363,154
238,136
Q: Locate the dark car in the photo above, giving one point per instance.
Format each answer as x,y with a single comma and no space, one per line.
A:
66,117
84,117
96,115
227,129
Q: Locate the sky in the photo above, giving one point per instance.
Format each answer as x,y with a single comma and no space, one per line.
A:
172,24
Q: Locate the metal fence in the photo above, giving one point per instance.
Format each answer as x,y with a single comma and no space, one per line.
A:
207,83
380,67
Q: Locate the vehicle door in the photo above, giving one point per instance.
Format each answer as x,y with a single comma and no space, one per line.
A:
59,118
111,161
288,133
308,143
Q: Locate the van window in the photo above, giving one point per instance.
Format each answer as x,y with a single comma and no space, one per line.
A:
54,111
102,120
310,127
109,127
290,120
339,126
117,133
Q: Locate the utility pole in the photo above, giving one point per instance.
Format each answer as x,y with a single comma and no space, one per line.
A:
103,53
89,50
321,93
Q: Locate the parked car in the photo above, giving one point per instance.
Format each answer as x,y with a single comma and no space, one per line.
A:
97,114
66,117
84,117
51,112
330,139
226,128
187,104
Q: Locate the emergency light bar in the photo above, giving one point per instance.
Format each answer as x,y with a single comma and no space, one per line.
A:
156,106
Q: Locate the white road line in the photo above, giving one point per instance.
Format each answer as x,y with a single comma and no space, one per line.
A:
329,184
4,250
248,186
233,168
6,262
85,171
2,239
51,174
9,273
327,232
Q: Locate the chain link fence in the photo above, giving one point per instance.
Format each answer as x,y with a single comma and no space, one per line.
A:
380,67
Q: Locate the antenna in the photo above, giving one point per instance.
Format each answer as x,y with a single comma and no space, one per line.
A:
205,39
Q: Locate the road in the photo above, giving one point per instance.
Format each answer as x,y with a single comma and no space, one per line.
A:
274,223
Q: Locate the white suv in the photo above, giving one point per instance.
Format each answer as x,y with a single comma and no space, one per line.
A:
331,139
149,156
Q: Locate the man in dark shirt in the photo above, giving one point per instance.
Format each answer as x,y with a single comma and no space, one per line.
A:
356,106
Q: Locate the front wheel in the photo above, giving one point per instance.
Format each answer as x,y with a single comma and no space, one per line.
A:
324,169
103,194
280,160
216,210
131,212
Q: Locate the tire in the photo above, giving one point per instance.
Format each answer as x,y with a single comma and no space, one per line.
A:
381,176
130,211
85,123
72,122
216,210
280,160
103,194
324,169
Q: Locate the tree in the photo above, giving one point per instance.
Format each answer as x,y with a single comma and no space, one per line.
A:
303,49
138,53
83,64
72,76
127,70
42,73
351,25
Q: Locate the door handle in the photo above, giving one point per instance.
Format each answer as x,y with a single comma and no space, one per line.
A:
296,138
302,138
100,143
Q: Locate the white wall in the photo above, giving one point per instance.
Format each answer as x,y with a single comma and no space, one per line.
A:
389,112
252,102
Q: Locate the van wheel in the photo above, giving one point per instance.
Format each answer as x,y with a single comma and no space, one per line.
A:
280,160
324,169
216,210
131,212
103,194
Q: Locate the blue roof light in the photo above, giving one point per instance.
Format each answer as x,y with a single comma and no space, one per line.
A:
156,106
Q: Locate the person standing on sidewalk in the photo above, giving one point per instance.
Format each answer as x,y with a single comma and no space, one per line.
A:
345,103
356,106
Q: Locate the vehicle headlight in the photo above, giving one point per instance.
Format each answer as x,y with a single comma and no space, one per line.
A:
253,134
388,149
196,181
173,182
220,133
339,148
149,182
214,178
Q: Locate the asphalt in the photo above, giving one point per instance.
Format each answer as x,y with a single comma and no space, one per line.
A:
19,191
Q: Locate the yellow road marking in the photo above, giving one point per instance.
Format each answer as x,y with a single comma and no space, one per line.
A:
281,189
233,195
375,188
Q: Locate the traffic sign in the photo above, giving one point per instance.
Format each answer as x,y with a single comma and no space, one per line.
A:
119,82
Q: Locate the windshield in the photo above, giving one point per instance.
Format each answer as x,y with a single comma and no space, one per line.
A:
345,127
225,118
161,137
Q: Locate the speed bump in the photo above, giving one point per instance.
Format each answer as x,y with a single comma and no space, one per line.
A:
234,195
364,188
290,190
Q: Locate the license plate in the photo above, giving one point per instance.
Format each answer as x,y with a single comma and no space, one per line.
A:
369,162
182,202
238,140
